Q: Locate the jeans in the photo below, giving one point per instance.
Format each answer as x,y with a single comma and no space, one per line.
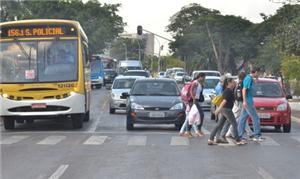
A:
227,115
246,112
201,115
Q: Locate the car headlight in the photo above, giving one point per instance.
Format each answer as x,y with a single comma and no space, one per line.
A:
177,106
137,106
282,107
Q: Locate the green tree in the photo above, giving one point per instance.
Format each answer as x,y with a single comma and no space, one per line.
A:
291,67
100,21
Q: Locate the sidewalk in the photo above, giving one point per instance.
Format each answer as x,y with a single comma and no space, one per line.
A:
295,106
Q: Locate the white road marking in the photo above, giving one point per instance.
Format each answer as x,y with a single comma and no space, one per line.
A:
51,140
296,137
137,140
296,119
95,140
264,174
13,139
205,131
269,142
59,172
179,141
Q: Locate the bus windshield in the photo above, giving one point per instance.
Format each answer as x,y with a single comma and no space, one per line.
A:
96,66
38,61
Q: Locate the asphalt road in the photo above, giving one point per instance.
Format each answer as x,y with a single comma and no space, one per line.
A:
104,149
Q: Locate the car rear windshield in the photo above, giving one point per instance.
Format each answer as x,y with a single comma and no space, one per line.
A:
155,88
136,73
211,83
179,74
267,89
123,83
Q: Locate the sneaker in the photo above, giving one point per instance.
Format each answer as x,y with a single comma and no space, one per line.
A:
240,142
224,140
258,139
211,142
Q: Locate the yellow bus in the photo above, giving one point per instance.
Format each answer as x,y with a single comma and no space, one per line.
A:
45,72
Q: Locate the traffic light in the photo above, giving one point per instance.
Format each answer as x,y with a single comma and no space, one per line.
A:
139,30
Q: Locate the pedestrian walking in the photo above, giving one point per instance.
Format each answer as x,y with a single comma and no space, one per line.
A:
196,93
249,108
226,110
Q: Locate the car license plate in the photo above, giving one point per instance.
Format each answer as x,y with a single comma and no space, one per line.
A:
38,106
156,114
264,115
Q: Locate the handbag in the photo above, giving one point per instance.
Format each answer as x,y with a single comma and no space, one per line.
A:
217,100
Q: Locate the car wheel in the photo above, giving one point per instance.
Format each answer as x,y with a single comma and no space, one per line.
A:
77,120
99,86
287,128
86,116
277,127
9,123
112,110
212,116
129,124
178,126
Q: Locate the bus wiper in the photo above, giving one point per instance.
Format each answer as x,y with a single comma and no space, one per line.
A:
28,56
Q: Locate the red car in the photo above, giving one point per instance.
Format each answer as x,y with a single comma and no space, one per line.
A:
271,104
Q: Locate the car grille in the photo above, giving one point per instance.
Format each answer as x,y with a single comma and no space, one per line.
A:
156,108
47,109
263,108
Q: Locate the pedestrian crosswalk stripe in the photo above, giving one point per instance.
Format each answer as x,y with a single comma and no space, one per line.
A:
95,140
179,141
51,140
137,141
296,137
269,142
13,139
205,131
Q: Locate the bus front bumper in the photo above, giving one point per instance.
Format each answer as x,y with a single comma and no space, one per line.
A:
48,107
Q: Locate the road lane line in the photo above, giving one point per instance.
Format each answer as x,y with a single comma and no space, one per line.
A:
95,140
296,137
51,140
94,125
104,104
137,141
205,131
59,172
264,174
296,119
13,139
269,142
176,141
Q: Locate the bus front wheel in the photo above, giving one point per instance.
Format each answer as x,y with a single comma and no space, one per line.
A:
77,120
9,123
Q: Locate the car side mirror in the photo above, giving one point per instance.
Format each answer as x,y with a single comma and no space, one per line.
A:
289,96
124,95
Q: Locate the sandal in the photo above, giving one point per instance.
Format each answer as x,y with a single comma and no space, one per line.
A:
211,142
188,134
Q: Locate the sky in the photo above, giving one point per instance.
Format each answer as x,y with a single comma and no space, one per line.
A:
154,15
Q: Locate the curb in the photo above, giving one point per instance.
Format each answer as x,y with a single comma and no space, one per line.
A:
296,119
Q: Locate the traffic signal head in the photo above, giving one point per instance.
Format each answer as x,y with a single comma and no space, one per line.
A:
139,30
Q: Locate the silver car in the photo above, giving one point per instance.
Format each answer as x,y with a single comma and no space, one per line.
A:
120,85
209,89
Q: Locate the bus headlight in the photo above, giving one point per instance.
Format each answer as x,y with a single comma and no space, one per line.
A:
72,93
5,95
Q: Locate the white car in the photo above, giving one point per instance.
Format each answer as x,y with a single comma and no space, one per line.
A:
121,84
207,73
209,89
179,76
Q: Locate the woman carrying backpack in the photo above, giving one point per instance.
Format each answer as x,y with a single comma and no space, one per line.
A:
196,93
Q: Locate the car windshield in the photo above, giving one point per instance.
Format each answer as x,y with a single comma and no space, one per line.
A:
179,74
109,73
211,83
38,61
96,66
136,73
267,89
155,88
123,83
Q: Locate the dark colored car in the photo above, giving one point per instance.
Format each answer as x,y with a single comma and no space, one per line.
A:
109,76
154,101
